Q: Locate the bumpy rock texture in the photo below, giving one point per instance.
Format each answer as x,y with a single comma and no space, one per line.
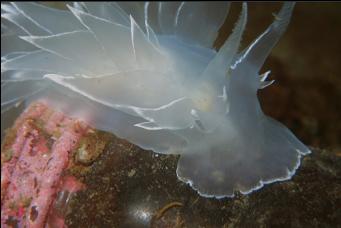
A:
125,186
129,187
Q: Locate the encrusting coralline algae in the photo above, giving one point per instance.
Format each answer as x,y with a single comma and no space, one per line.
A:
148,73
35,157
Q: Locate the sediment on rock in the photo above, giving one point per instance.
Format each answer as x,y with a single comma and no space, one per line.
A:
130,187
100,180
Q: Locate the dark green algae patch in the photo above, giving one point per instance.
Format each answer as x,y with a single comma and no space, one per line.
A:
130,187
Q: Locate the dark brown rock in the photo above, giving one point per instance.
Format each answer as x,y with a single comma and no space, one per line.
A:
130,187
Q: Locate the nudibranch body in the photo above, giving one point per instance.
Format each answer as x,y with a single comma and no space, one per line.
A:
149,74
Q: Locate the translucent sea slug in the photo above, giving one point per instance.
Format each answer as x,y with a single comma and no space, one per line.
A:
148,73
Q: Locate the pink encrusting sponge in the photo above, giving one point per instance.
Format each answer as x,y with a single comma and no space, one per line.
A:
33,163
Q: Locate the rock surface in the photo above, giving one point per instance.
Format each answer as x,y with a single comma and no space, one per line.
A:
125,186
130,187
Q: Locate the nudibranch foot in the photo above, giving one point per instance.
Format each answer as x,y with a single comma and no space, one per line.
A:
220,166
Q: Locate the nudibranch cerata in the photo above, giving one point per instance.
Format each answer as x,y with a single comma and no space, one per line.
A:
148,73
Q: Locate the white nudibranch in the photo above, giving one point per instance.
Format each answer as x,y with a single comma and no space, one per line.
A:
148,73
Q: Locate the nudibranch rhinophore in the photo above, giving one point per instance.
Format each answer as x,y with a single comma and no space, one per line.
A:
148,73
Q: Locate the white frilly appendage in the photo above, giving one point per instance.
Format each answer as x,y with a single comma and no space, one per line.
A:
148,73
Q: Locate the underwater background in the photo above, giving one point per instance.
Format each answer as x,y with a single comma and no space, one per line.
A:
306,66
